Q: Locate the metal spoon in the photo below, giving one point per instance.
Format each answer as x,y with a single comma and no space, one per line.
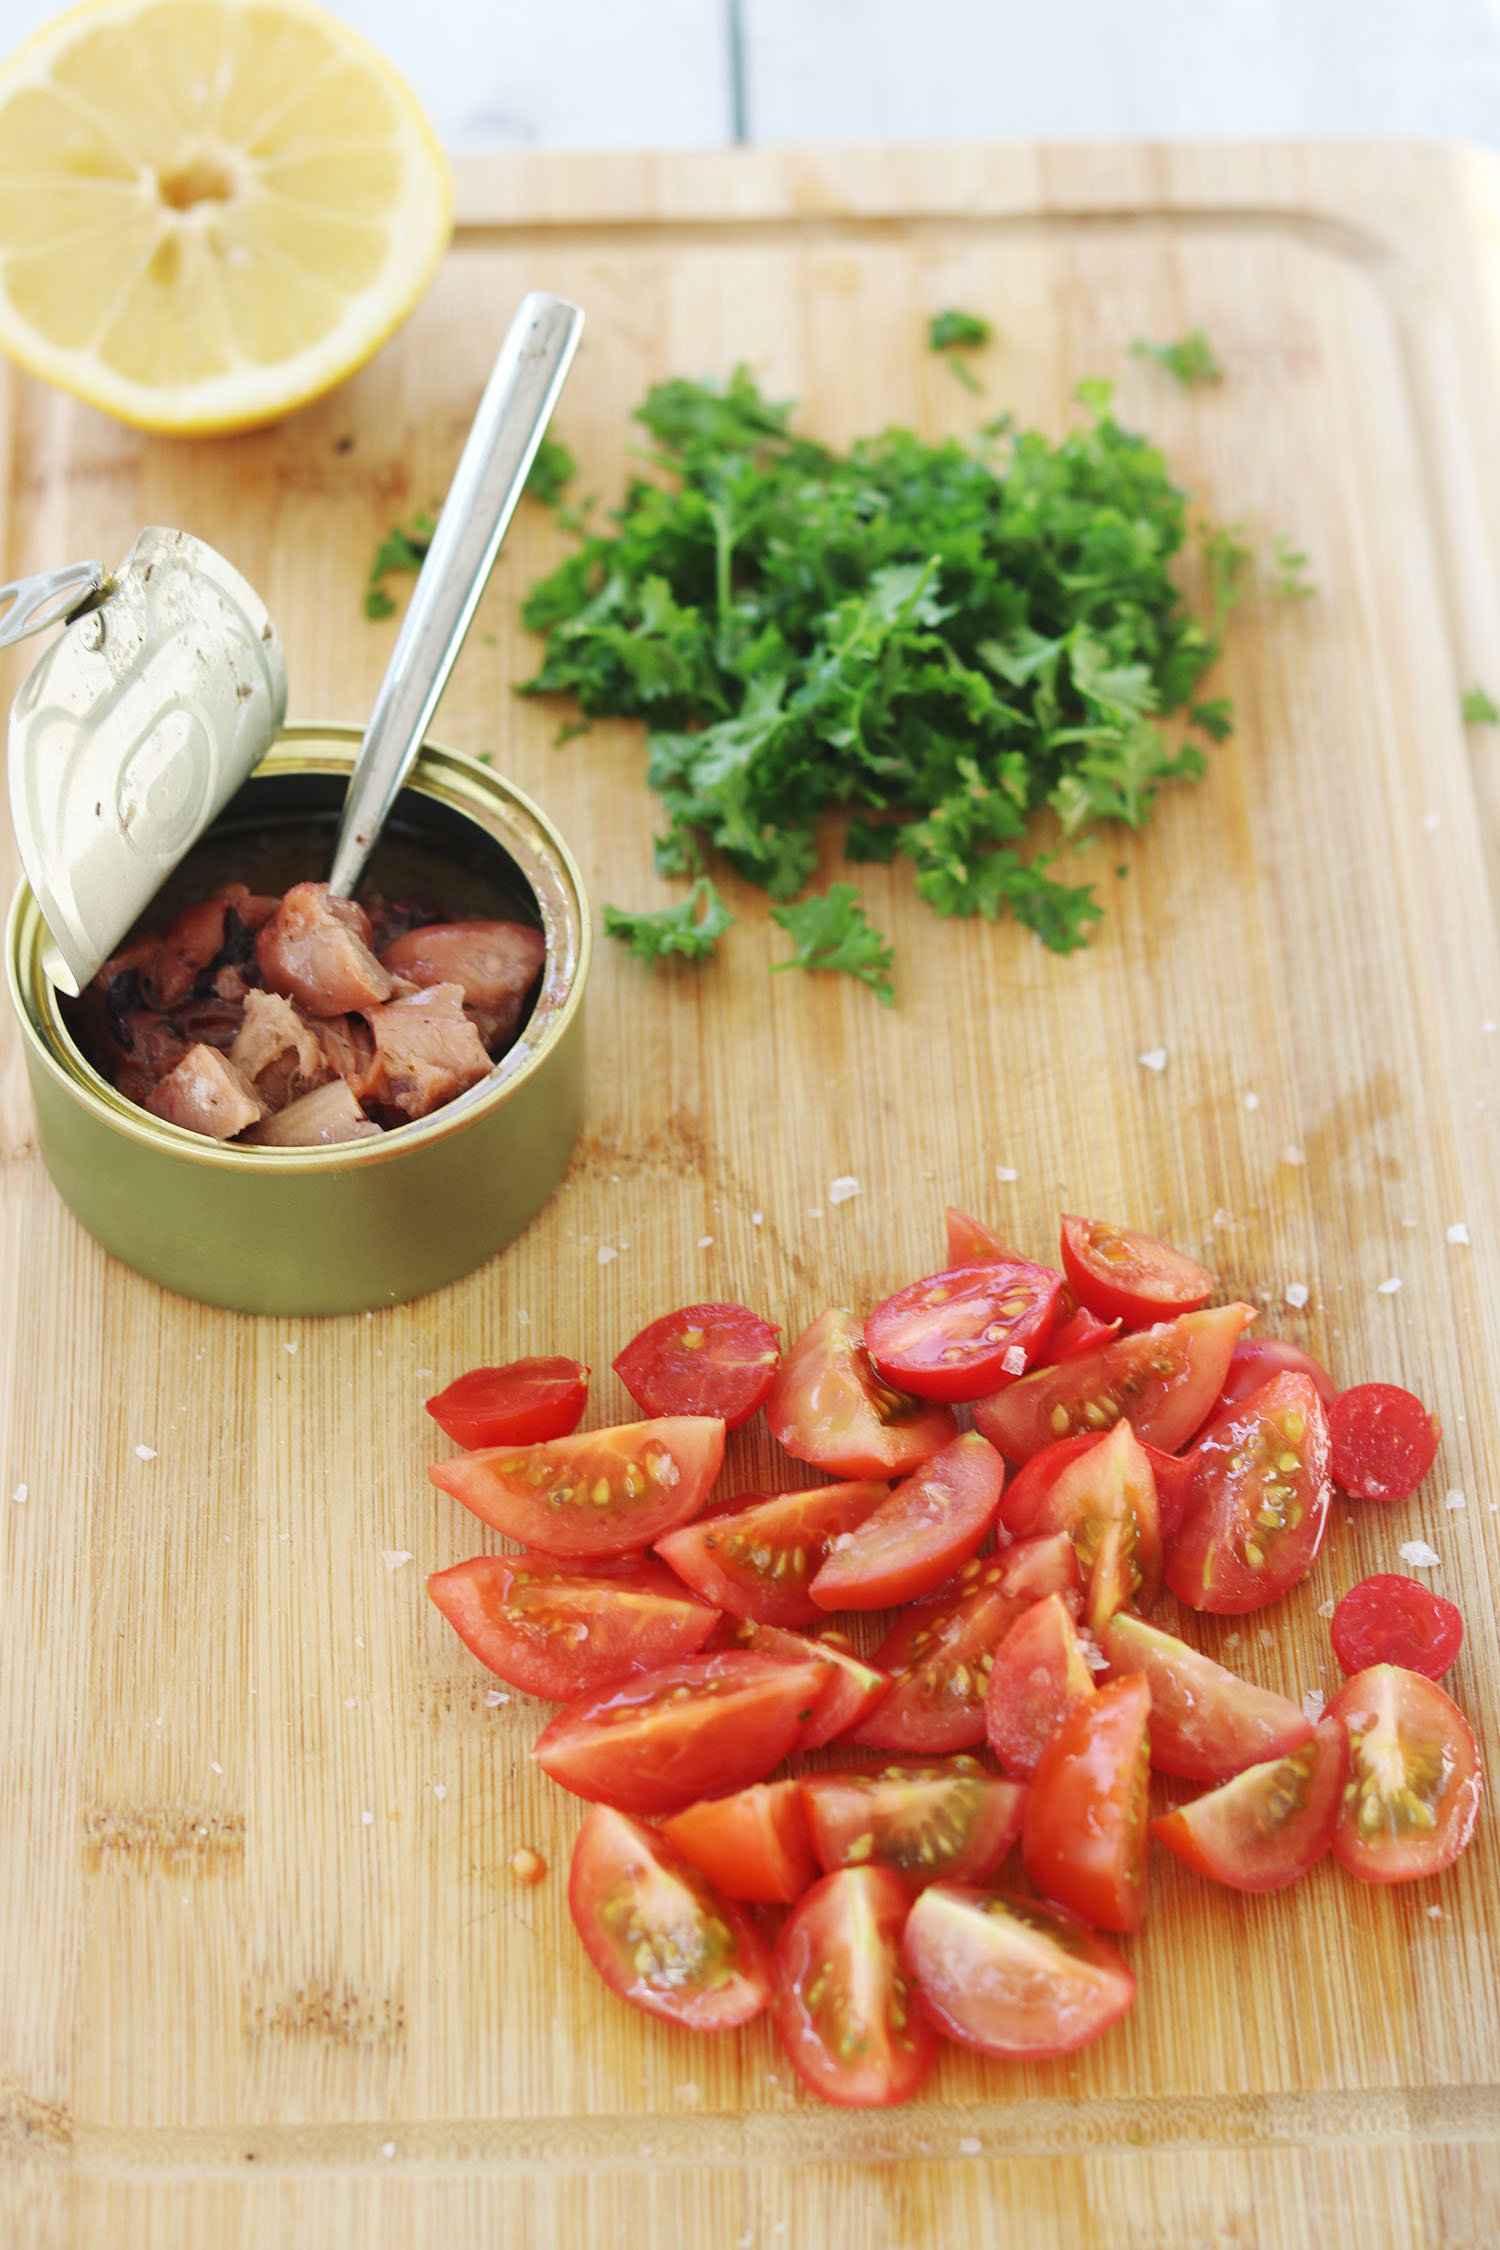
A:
513,415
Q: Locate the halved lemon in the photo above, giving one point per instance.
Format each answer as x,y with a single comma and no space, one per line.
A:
211,211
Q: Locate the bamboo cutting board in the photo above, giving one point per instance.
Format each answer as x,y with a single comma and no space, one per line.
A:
268,1981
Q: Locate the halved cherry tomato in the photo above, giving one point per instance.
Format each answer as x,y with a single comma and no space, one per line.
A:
521,1404
1009,1976
842,2002
1122,1275
960,1334
952,1823
706,1724
559,1634
754,1845
598,1493
1084,1835
934,1520
828,1406
1105,1500
1384,1441
1206,1722
657,1932
1414,1781
759,1560
1040,1672
703,1359
1271,1823
854,1687
1388,1619
1258,1502
1162,1380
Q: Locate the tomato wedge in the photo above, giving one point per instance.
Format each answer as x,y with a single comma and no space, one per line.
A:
1414,1779
657,1932
1257,1505
703,1359
523,1403
1009,1976
559,1634
842,2000
1040,1672
962,1333
1384,1441
1163,1381
951,1823
1389,1619
1121,1275
1073,1332
939,1662
754,1845
1271,1823
934,1520
1105,1500
972,1243
827,1405
1255,1359
658,1741
1206,1722
760,1560
1084,1835
854,1687
598,1493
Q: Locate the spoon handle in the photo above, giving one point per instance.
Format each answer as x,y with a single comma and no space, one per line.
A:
513,414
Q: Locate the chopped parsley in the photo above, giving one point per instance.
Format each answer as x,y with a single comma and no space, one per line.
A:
673,929
937,640
953,331
1190,360
1479,709
402,548
1291,581
832,931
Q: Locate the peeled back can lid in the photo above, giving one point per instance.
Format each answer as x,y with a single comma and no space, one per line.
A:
131,734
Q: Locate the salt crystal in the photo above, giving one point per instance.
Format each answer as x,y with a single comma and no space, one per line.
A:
1266,1638
969,2146
815,1211
1432,820
688,2091
495,1695
747,2239
841,1189
145,1453
424,1373
1155,1058
523,1320
216,1765
351,1702
1419,1554
1456,1499
1233,1640
1013,1359
1093,1655
1434,1914
22,1492
1459,1233
844,1539
293,1345
1313,1703
705,1242
605,1256
394,1558
1389,1288
1297,1295
757,1218
1291,1154
1252,1101
440,1790
387,2148
1488,1024
1008,1171
368,1818
1326,1609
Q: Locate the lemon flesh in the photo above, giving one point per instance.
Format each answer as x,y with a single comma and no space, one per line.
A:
211,211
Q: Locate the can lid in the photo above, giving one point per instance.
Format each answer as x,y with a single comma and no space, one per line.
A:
131,734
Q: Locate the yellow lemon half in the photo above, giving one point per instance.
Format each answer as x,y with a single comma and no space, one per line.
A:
210,210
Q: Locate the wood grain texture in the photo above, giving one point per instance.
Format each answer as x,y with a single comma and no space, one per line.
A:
268,1979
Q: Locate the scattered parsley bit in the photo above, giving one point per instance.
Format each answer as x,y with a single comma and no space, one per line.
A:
1479,710
1191,359
400,549
833,931
952,331
936,639
552,467
1291,581
674,929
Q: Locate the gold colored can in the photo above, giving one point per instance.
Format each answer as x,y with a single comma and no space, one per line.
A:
365,1223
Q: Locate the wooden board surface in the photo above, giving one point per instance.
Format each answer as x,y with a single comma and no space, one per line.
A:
268,1981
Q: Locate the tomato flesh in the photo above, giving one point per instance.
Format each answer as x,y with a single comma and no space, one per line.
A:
1162,1380
703,1359
934,1520
1205,1721
939,1662
827,1405
959,1334
951,1823
1256,1508
1081,1331
1009,1976
754,1845
600,1492
1119,1274
1040,1672
1271,1823
558,1634
1414,1780
657,1932
1084,1836
972,1243
1255,1359
523,1403
1384,1441
854,1687
1389,1619
760,1561
843,2003
1105,1500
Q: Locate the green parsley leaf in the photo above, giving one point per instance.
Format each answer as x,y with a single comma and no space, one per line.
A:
1291,581
401,549
674,929
832,931
552,468
1190,360
945,329
1479,709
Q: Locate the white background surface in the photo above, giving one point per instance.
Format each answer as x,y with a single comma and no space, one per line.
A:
660,73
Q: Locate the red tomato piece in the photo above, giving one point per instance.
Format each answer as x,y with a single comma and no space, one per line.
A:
760,1561
1206,1722
657,1932
972,1243
1255,1359
658,1741
1009,1976
1414,1778
1021,1501
842,2001
930,1824
1105,1500
1162,1380
1384,1441
1040,1672
600,1492
754,1845
559,1634
1080,1331
704,1359
939,1662
1121,1275
1258,1502
960,1334
854,1687
828,1406
1271,1823
934,1520
1084,1835
523,1403
1388,1619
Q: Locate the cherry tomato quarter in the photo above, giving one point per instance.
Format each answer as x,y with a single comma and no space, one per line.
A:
854,1687
827,1405
843,2003
754,1845
1257,1506
938,1657
1389,1619
600,1492
935,1519
1384,1441
1010,1976
656,1930
1255,1359
963,1333
560,1634
937,1823
703,1359
1162,1380
972,1243
1040,1672
1105,1500
1119,1274
1205,1722
524,1403
1414,1780
1271,1823
760,1560
1084,1835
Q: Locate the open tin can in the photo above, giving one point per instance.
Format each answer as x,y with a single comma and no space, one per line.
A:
365,1223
